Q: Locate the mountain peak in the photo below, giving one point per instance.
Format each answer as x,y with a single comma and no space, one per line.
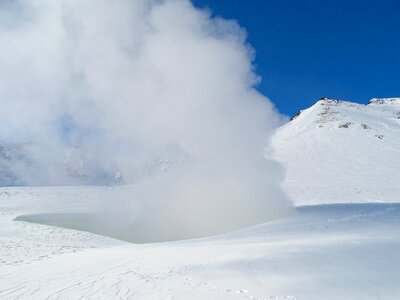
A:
337,150
384,101
328,110
326,99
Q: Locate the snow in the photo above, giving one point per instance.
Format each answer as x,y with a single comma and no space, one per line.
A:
347,251
341,157
338,151
384,101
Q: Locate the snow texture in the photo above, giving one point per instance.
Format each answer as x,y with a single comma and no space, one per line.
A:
338,151
347,251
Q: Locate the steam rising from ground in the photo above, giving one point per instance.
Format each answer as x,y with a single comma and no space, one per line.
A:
132,79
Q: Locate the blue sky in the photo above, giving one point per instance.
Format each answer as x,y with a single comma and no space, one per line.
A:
307,49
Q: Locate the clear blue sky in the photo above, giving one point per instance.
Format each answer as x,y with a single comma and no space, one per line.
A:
307,49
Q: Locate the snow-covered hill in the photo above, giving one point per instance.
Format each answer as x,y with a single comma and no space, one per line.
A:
338,151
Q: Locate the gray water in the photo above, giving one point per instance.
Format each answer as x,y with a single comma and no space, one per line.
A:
89,223
130,232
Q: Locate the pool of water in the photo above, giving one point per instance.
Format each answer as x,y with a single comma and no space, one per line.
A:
122,229
93,223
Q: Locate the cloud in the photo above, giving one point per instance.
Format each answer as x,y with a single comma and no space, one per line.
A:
130,80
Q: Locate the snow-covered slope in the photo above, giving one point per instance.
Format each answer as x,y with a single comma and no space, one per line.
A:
338,151
322,252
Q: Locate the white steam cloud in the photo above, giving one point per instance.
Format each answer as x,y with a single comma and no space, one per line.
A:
132,79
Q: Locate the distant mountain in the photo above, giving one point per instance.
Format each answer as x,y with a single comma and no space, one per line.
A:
30,164
34,164
339,151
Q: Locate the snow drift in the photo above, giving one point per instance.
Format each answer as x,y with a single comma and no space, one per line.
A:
130,80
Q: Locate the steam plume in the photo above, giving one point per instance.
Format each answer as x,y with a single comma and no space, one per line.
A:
132,79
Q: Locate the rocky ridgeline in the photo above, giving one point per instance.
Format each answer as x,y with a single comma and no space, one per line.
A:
339,111
384,101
